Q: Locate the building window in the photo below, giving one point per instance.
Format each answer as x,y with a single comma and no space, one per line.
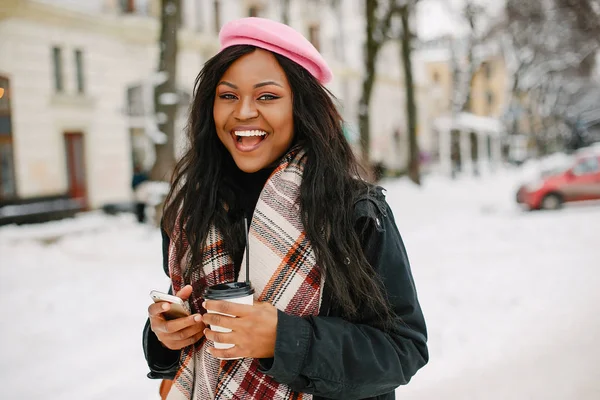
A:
5,125
217,10
135,101
313,35
141,148
7,174
487,70
490,100
139,7
58,70
7,181
127,6
4,96
253,11
79,71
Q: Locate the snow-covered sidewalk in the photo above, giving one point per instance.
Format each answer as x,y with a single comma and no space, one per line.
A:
511,298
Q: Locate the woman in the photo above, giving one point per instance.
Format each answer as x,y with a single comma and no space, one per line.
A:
335,312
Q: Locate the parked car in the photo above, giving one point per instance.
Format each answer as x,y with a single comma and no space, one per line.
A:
578,180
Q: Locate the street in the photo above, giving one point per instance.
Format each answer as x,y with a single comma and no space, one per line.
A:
510,297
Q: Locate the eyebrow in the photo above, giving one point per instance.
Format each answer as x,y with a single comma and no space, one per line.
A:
258,85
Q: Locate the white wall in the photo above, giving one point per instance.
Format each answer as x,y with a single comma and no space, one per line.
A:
40,116
120,51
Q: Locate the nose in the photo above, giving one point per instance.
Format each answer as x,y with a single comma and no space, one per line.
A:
246,109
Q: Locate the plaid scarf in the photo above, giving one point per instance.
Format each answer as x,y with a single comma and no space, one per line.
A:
283,272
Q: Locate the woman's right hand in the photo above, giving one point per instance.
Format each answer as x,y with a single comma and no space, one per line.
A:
177,333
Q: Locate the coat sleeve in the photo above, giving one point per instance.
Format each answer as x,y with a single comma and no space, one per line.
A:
334,358
163,362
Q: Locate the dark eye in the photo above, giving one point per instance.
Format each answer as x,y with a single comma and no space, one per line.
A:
268,97
227,96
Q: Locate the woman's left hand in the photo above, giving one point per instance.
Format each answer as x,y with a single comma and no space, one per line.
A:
253,330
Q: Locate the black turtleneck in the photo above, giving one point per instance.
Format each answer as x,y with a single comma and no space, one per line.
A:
248,188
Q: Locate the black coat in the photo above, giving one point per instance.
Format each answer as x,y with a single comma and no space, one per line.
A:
327,355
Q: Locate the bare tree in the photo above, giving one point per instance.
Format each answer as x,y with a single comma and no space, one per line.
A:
463,50
285,11
583,15
378,23
472,14
166,98
551,59
405,11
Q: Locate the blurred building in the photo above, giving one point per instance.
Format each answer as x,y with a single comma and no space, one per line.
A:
466,105
79,77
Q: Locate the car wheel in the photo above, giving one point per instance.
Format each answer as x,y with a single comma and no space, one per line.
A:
551,201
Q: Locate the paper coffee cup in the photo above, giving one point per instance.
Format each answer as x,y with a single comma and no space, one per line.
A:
235,292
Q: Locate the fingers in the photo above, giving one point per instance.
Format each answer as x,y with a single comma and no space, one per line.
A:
178,333
223,321
179,324
188,333
185,292
225,353
254,335
220,337
227,307
180,344
225,338
156,309
194,338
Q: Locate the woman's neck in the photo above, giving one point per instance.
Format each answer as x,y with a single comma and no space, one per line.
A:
250,186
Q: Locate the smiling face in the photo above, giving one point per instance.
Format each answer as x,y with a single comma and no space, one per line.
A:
253,111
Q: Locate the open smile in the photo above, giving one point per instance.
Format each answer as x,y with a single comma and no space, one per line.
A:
248,140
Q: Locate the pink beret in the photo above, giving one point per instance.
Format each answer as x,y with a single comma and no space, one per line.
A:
278,38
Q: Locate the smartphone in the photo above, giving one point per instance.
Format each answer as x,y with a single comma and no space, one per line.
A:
178,309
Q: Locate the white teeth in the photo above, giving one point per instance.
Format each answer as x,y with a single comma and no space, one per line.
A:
250,133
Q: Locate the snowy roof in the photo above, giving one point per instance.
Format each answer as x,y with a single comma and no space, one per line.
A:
470,122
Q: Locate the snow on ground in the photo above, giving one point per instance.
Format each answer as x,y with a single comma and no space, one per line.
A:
74,309
510,298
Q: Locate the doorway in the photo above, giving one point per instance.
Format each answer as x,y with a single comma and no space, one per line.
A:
455,153
8,188
75,159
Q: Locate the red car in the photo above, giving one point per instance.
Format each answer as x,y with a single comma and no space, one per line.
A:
578,182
